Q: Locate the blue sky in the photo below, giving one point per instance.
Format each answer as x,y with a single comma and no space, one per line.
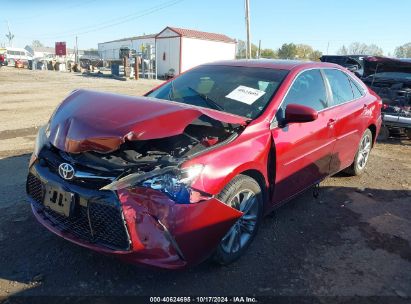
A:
320,23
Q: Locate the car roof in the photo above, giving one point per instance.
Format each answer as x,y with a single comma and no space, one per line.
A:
280,64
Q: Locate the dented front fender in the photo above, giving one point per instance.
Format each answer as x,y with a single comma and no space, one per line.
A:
159,226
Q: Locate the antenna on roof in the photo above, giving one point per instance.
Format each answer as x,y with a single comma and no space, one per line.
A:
247,23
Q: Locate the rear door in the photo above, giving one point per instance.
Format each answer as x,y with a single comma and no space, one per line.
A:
348,108
303,150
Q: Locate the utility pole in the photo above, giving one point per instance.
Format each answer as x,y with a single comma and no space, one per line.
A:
76,52
247,24
259,49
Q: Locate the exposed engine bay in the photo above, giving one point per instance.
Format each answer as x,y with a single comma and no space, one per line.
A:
146,155
396,96
113,142
391,80
151,163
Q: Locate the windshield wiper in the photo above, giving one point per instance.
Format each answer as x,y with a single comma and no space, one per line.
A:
207,99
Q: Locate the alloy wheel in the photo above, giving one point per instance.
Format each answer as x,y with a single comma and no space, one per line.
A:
241,232
364,151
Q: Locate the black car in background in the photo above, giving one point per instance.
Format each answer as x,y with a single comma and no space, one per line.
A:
354,63
391,79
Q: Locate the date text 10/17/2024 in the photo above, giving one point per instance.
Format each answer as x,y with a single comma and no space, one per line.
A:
206,299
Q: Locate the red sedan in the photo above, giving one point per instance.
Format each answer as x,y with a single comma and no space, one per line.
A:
188,171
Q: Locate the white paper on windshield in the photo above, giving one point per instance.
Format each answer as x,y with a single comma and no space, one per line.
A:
245,94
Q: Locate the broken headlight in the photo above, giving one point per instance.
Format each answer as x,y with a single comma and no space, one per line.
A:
174,182
175,185
41,141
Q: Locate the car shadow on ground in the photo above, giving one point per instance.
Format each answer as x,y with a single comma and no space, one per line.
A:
290,255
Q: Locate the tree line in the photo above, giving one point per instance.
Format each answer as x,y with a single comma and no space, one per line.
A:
286,51
307,52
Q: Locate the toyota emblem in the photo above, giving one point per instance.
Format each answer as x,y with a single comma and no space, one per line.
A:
66,171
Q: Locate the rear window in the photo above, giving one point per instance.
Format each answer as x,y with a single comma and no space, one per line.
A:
340,86
357,90
244,91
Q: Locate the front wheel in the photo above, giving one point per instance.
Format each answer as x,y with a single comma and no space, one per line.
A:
361,157
242,193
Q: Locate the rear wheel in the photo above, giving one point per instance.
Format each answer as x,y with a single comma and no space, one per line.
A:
361,157
242,193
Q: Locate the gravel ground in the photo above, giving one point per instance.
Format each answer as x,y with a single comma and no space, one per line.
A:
354,240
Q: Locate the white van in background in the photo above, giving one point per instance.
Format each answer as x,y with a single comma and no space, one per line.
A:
14,54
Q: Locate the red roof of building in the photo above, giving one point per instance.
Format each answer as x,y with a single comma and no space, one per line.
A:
200,35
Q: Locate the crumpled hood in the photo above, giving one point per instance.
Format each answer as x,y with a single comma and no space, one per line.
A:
375,64
96,121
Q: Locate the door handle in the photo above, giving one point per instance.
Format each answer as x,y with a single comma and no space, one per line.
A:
331,123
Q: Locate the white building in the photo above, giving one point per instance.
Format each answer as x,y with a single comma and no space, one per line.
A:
181,49
109,51
40,52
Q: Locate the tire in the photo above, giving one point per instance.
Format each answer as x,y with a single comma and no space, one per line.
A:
408,132
242,233
362,155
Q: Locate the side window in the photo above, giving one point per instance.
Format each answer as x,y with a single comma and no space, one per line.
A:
340,86
308,90
356,88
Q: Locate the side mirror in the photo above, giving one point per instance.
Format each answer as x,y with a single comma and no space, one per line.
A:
299,113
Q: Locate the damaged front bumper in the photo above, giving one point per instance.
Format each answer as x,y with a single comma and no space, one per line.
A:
139,225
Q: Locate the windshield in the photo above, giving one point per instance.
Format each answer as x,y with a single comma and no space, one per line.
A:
244,91
392,75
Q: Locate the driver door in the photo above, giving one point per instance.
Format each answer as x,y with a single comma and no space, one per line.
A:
303,150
